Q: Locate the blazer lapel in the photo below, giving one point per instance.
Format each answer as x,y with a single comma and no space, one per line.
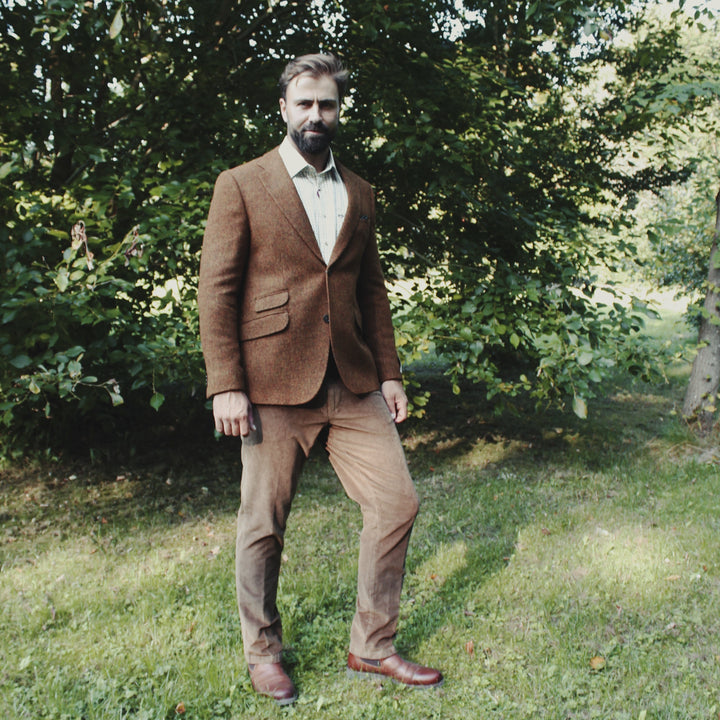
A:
281,188
351,215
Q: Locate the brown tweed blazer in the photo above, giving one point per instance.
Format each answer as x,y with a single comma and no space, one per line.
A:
271,309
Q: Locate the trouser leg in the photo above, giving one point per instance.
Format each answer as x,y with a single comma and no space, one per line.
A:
272,458
367,455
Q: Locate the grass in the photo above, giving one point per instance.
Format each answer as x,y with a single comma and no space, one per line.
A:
558,569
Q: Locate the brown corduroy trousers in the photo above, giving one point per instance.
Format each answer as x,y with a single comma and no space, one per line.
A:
365,450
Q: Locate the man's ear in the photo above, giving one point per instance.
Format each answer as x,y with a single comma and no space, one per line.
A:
282,109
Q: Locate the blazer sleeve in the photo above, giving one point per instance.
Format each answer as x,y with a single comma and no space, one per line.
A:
222,271
375,309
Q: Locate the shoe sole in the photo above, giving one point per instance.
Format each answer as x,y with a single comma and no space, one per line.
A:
380,676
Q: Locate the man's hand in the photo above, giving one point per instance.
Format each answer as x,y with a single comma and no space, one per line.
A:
233,413
396,399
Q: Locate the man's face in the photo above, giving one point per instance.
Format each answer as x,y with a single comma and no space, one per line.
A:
311,109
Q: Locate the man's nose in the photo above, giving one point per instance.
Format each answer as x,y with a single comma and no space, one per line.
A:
315,112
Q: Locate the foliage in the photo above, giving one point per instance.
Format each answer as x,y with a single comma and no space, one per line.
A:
680,219
481,125
87,152
680,231
557,569
499,215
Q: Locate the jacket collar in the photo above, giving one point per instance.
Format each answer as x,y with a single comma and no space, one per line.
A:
279,185
296,163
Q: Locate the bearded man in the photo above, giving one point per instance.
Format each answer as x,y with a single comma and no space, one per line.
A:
297,337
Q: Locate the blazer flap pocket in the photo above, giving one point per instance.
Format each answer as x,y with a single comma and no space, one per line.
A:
265,325
274,300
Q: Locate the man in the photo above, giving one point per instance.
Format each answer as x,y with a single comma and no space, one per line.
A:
297,337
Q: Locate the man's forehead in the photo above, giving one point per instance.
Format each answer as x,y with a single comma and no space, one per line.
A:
322,86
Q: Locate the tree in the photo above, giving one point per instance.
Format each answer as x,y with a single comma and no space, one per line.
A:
116,128
701,397
678,216
497,186
681,217
491,141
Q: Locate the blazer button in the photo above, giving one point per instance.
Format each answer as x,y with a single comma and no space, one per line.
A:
326,318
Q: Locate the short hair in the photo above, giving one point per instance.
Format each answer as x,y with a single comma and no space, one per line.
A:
316,65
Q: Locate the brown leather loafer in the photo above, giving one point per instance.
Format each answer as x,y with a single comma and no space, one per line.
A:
271,679
397,669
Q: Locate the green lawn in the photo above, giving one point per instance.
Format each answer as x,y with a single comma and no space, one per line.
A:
558,569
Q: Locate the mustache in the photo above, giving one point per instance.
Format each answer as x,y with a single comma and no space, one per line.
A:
315,127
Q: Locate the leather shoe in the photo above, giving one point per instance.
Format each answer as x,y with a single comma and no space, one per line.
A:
271,679
397,669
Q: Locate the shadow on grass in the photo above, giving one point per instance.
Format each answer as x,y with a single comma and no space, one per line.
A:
458,427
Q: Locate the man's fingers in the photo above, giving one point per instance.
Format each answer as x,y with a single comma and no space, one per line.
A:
400,413
233,414
395,399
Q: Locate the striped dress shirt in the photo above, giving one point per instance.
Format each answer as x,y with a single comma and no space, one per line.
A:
323,195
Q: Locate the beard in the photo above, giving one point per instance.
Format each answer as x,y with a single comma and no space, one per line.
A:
312,144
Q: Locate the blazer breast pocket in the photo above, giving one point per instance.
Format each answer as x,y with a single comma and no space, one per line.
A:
271,316
271,301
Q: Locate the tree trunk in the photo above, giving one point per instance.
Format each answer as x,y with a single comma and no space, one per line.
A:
701,398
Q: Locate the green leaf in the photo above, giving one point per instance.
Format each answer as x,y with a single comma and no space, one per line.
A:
21,361
117,24
116,398
62,279
157,400
6,169
579,407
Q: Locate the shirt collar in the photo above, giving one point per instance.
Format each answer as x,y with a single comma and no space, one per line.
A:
297,164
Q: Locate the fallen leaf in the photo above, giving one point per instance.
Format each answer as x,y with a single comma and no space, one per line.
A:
672,578
470,647
597,663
